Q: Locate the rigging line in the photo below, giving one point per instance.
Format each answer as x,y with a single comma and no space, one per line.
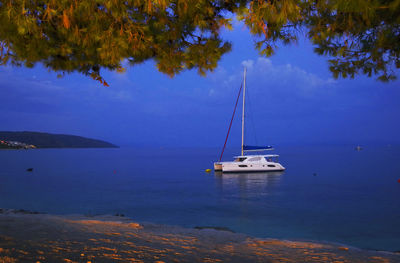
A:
251,113
230,124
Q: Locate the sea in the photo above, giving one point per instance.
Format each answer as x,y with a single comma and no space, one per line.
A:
327,193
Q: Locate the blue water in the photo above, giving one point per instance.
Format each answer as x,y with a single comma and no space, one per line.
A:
326,194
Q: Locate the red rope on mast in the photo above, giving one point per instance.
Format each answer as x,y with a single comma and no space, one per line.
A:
230,125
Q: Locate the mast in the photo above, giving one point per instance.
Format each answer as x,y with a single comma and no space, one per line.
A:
244,96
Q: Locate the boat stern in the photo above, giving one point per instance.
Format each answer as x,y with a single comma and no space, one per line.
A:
217,166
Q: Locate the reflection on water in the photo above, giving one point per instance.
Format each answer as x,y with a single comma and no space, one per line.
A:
260,182
247,194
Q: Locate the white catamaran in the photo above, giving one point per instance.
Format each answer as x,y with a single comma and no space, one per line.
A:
248,163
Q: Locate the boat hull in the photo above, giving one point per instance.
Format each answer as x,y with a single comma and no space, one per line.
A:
236,167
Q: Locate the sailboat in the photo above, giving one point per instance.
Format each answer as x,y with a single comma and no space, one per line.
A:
245,162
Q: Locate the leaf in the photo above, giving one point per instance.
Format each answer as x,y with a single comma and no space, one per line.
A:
65,20
21,30
72,36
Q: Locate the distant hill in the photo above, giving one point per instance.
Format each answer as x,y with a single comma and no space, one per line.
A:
47,140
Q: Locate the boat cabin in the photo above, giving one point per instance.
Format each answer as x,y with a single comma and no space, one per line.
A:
273,158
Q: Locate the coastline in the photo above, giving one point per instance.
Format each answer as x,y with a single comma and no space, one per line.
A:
33,237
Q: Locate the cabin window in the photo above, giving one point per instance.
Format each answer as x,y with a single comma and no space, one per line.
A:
242,165
271,165
255,159
269,159
240,159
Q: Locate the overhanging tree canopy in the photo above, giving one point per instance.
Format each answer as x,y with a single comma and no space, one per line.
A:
358,36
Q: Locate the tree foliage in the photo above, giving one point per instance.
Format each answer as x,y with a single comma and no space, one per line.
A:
358,36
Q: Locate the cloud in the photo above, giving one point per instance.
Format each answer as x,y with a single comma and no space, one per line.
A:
285,76
248,64
266,78
25,91
279,91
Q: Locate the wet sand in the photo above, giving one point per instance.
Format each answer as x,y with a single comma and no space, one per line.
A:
28,237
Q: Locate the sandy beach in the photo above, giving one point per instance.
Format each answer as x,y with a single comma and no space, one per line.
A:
32,237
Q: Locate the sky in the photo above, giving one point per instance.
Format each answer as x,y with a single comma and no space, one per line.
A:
292,98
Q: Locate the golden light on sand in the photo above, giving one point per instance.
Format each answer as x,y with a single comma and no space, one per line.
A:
46,238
